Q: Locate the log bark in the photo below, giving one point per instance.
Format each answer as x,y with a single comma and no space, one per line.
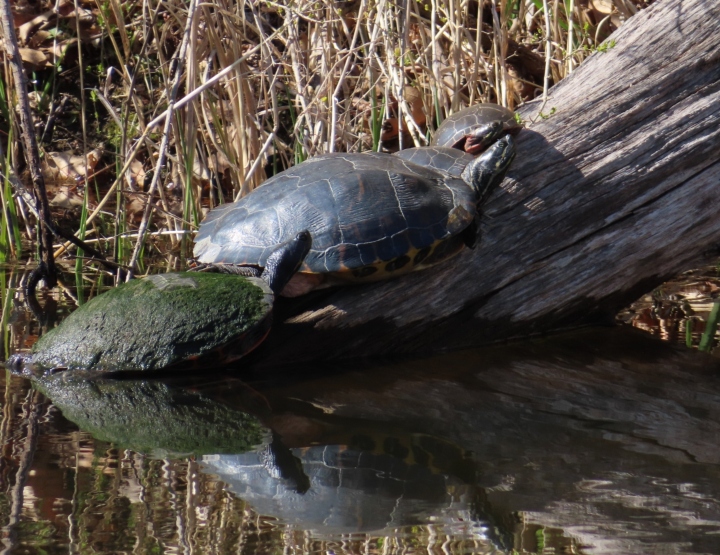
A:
612,193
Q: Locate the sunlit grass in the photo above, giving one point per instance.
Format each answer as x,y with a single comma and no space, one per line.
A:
80,253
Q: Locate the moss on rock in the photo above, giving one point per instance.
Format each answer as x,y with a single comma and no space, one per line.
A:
155,322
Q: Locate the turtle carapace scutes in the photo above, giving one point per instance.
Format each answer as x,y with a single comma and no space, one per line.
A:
371,216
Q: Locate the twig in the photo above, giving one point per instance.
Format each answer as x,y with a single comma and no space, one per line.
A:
47,267
176,71
548,56
500,46
570,63
343,74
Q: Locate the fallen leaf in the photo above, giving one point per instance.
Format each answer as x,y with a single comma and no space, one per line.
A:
67,168
67,198
26,30
34,58
605,7
135,175
60,49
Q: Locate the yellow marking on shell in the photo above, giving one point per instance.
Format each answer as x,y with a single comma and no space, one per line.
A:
398,263
380,269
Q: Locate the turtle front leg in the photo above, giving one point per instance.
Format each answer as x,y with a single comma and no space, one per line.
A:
488,170
471,234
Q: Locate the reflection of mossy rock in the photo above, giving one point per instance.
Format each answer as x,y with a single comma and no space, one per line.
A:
151,417
161,321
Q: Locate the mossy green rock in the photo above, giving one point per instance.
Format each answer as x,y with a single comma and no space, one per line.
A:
152,417
158,322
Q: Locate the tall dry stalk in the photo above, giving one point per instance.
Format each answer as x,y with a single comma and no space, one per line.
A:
262,86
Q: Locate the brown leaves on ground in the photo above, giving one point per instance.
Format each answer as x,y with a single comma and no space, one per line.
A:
65,175
47,38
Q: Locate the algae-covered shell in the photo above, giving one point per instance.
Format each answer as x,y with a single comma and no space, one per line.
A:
169,320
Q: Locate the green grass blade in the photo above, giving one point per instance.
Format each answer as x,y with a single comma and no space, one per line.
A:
80,252
688,332
706,341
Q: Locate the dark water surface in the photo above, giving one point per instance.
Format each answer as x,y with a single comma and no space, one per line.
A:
605,441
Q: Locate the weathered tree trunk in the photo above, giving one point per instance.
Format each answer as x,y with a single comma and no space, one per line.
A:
615,191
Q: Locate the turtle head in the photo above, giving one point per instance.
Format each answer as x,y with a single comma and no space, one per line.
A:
482,136
286,260
21,364
488,170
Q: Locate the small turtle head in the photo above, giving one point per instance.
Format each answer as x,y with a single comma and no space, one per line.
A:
20,364
488,169
482,136
286,260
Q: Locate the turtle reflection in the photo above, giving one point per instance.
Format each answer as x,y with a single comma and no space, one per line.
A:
369,484
335,476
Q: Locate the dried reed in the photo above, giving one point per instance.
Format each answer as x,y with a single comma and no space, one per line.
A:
195,104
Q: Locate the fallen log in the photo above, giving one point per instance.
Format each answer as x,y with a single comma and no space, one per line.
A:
613,191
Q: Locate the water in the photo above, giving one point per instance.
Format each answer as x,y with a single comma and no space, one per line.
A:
604,441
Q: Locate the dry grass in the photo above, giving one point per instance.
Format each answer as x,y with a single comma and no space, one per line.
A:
254,87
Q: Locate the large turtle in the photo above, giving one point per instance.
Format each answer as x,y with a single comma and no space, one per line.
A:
474,128
371,216
164,321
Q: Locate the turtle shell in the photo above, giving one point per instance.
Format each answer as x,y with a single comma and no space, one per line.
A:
161,321
345,489
449,160
456,127
368,214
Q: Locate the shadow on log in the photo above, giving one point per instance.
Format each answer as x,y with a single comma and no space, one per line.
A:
612,193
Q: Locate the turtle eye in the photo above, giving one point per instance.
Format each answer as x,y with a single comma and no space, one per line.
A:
303,236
